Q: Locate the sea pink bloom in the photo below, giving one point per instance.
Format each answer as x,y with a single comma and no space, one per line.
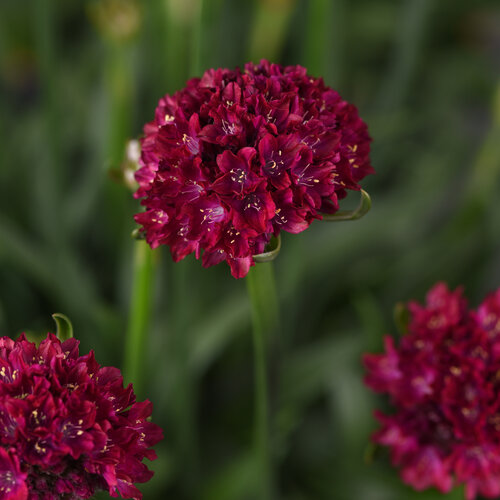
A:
238,156
443,380
68,427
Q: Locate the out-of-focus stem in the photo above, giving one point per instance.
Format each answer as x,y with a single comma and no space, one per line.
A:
325,39
185,392
262,292
181,17
47,175
140,313
269,28
199,26
120,86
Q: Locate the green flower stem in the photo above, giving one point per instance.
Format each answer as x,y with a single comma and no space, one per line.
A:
269,29
184,392
262,292
178,23
47,171
318,23
140,312
325,26
198,32
120,83
120,90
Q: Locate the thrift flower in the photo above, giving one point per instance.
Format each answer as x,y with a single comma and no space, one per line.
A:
444,381
68,426
238,156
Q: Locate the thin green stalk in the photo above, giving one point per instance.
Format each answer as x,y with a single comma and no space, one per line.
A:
119,81
140,312
185,390
179,19
325,39
262,292
120,84
199,28
317,29
205,39
269,29
47,172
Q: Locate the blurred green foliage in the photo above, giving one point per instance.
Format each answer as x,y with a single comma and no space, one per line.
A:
79,78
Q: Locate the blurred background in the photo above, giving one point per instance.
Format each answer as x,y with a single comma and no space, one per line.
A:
79,78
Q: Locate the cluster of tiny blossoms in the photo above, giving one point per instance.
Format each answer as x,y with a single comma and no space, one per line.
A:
237,156
68,427
444,380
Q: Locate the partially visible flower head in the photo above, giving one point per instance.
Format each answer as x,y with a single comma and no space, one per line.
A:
238,156
68,427
444,381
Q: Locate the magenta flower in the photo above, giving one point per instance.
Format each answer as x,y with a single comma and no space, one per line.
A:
12,479
238,156
68,427
443,379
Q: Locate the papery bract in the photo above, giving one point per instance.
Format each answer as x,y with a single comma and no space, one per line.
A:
443,379
250,153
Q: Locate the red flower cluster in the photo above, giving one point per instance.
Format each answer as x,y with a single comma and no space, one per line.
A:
68,427
444,379
237,156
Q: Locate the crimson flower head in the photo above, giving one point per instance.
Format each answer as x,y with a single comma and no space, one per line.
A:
239,155
444,381
68,427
